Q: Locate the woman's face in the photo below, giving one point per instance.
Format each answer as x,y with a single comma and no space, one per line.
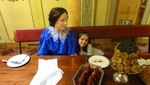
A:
83,40
61,23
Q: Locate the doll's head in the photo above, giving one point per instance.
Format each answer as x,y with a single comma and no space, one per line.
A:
83,40
55,14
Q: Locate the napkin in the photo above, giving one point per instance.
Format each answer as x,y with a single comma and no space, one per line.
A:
143,61
48,73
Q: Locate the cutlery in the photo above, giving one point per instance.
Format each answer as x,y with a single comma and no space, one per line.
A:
17,62
25,56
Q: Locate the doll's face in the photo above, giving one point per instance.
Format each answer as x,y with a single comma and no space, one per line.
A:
61,23
83,40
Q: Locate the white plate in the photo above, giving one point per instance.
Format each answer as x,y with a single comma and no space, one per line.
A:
99,60
18,58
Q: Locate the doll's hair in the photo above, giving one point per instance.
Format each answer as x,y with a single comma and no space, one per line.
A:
54,15
89,40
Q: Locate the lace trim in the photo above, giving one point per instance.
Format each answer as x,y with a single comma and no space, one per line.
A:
55,35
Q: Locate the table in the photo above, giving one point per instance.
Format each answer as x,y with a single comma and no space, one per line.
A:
69,64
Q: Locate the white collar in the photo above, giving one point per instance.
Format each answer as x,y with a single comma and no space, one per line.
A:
55,35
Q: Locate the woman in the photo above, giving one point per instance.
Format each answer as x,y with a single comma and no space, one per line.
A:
57,39
85,48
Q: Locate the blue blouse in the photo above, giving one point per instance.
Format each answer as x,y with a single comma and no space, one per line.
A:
53,43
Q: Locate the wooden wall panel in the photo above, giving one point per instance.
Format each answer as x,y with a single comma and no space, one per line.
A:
127,10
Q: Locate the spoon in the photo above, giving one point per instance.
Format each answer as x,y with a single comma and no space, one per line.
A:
25,56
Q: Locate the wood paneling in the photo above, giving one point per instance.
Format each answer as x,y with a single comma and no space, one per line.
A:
127,10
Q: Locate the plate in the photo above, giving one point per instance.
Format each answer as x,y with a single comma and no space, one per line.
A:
19,57
99,60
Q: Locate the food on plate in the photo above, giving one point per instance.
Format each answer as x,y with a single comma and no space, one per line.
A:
97,60
134,61
133,56
83,75
118,53
88,76
119,67
93,77
101,61
125,58
126,62
127,69
119,60
124,55
135,68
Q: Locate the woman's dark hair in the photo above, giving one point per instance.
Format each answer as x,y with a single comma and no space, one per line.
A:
89,40
54,15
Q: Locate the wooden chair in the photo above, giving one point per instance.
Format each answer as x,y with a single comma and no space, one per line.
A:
96,32
27,35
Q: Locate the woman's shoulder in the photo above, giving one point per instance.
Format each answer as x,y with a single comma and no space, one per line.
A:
71,31
48,28
46,32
